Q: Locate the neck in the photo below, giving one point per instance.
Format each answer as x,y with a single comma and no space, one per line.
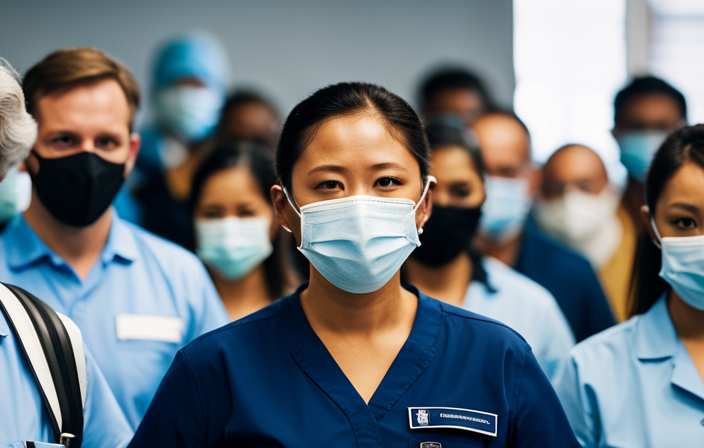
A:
80,247
448,283
506,252
332,310
688,321
244,296
632,201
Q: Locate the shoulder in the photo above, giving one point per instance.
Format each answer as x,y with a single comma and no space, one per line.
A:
169,255
506,279
608,349
234,335
468,321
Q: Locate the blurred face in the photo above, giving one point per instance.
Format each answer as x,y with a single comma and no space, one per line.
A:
649,112
249,121
234,193
350,156
91,117
505,148
464,103
679,211
459,183
574,167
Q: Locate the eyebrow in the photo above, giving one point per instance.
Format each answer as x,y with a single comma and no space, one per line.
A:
342,169
684,206
331,168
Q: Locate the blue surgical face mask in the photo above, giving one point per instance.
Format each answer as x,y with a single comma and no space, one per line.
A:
638,149
233,247
506,208
15,194
359,243
683,266
190,112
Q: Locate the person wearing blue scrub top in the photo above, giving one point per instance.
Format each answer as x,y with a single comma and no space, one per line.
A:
136,298
641,383
446,266
352,358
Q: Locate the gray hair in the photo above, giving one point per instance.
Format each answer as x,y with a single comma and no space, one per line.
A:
18,130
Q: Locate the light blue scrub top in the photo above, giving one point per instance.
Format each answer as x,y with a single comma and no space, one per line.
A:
634,385
525,306
143,300
24,417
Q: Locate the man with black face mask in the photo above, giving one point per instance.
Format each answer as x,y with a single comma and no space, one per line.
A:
136,298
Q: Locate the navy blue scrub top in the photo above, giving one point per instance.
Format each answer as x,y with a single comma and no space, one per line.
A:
267,380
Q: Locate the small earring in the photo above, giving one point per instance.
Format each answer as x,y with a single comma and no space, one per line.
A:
420,231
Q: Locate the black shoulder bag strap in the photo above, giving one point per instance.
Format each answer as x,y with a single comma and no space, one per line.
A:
63,387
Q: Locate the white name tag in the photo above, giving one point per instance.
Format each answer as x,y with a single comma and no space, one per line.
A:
150,328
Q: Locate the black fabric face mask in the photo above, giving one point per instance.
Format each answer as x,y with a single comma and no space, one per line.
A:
77,189
447,233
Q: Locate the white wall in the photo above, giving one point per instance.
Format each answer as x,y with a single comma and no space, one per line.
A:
287,48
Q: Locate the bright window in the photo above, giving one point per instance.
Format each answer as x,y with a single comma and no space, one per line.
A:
570,60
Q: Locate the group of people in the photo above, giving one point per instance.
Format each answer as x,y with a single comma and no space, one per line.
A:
393,276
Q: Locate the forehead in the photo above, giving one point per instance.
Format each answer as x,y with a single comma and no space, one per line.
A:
231,184
101,101
572,163
501,136
685,186
651,106
356,141
451,163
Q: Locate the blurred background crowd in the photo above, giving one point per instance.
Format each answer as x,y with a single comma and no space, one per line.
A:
543,117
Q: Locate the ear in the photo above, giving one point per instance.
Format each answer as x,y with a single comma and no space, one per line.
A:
645,216
135,144
534,180
285,214
425,208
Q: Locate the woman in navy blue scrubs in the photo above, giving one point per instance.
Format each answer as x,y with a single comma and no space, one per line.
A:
353,359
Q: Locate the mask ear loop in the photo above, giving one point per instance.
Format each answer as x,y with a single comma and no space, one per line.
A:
430,180
295,208
655,229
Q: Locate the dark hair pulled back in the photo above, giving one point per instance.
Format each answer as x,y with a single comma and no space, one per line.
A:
344,99
680,148
448,130
255,157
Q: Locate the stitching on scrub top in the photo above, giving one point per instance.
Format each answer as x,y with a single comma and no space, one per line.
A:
200,397
518,393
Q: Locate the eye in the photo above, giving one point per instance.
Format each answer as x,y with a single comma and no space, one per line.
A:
105,142
461,191
329,185
210,214
386,182
62,141
685,223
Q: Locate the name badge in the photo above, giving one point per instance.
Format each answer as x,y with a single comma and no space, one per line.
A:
456,418
149,328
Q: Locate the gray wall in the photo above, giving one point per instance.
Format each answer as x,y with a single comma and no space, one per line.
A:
286,48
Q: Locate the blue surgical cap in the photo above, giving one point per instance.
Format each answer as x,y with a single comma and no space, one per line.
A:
197,55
